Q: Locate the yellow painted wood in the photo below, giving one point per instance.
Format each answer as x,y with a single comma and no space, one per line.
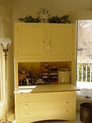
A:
34,45
48,104
31,42
43,41
45,113
16,73
41,106
60,38
52,88
45,96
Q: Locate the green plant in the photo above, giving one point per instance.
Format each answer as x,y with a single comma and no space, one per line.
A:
56,19
29,18
53,19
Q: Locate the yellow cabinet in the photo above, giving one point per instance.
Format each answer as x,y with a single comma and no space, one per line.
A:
36,45
43,42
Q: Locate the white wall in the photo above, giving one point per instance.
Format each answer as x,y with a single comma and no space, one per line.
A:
7,32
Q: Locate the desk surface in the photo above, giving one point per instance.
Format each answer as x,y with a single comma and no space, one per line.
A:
46,88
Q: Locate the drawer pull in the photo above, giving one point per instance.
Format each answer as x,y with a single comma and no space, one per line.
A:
43,42
66,111
26,105
26,114
26,96
66,102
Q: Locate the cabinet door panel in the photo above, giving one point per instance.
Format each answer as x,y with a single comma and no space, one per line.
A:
60,40
31,42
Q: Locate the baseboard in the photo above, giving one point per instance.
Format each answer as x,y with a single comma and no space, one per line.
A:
2,109
11,107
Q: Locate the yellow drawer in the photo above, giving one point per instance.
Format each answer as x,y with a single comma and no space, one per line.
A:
57,113
45,105
32,97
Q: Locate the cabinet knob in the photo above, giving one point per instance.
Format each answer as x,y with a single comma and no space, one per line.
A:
26,96
26,105
26,114
66,111
66,95
43,42
66,102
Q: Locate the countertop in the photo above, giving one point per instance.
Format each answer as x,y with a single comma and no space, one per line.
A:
45,88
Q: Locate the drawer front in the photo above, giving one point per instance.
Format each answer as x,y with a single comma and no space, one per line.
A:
56,113
45,105
32,97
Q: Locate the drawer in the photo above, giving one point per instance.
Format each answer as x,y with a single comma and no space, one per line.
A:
32,97
46,105
52,114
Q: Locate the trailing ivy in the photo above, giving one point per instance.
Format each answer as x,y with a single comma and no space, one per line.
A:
53,19
56,19
29,19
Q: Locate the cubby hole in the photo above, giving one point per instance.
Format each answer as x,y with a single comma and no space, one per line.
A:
32,73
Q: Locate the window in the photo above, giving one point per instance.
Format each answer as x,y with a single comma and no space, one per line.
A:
84,58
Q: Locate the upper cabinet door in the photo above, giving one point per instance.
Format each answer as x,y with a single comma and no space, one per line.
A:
60,41
31,42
